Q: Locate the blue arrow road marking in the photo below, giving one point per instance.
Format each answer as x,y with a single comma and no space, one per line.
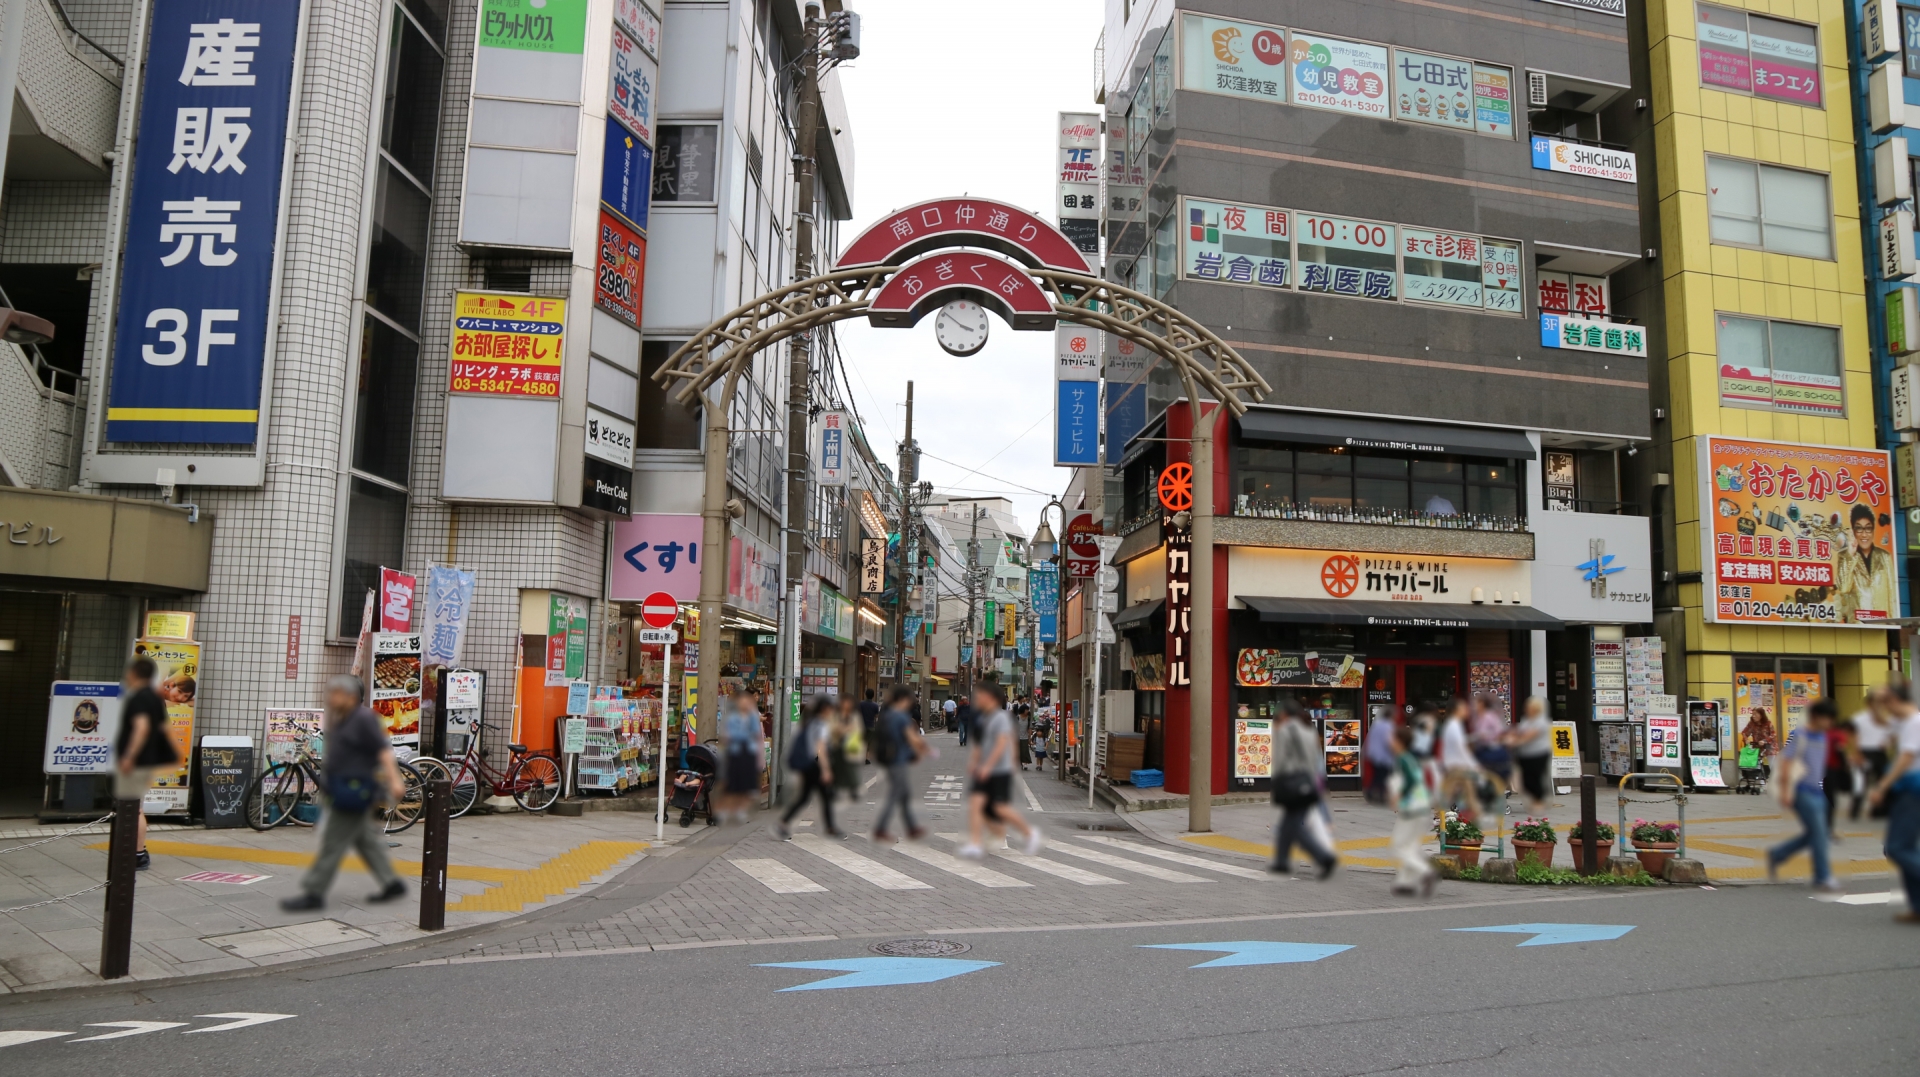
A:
882,971
1555,934
1255,952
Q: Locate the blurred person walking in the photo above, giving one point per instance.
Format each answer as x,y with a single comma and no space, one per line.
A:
1488,737
143,746
845,748
869,714
358,766
1380,755
1459,769
946,712
961,719
1412,819
897,745
1802,791
742,756
1532,741
1899,793
1872,735
1297,763
991,766
809,758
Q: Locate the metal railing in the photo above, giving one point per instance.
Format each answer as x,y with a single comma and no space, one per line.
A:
1679,797
1253,508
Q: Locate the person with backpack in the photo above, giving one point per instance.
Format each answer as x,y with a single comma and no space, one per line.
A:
742,754
807,757
1297,765
897,746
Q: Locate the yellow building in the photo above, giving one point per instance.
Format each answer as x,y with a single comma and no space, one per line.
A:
1750,158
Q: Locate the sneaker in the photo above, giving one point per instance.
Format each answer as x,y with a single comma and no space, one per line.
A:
837,835
394,889
918,833
781,833
1033,841
1326,870
303,902
1404,891
970,851
881,837
1831,886
142,861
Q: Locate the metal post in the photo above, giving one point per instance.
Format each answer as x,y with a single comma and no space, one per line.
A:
433,856
1589,828
713,565
1200,695
440,713
666,707
1093,704
116,934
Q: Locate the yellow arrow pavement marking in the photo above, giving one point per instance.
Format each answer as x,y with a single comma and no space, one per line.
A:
513,890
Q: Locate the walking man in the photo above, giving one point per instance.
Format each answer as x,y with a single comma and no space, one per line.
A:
809,758
1460,770
869,714
143,746
1296,789
1899,793
359,765
1872,735
1803,765
991,767
897,746
1413,816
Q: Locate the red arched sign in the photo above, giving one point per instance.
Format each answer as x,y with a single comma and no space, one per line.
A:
994,282
963,222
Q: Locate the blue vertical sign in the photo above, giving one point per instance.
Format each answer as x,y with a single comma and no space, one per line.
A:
1076,424
202,217
1044,582
626,175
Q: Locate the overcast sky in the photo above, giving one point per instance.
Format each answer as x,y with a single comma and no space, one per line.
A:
953,99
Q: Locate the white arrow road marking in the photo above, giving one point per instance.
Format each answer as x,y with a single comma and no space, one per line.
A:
27,1035
133,1028
239,1020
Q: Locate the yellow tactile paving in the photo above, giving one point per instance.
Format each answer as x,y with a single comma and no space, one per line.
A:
1237,845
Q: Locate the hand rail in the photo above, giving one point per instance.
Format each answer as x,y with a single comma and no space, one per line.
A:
1679,797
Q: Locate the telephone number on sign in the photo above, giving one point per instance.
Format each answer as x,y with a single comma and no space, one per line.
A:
505,385
1785,611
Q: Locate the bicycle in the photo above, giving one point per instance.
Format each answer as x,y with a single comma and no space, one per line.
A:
276,795
531,778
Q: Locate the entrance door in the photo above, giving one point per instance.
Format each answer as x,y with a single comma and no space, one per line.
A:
1427,684
31,621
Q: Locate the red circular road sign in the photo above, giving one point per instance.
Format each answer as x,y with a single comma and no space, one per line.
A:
660,610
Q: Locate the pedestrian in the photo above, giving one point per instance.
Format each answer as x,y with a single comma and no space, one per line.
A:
1899,792
1380,754
144,745
808,758
1803,771
946,712
1297,766
1488,739
358,767
1038,734
1871,735
919,723
1412,819
869,714
1459,770
991,766
962,720
1022,726
1532,740
1843,763
742,755
897,746
845,746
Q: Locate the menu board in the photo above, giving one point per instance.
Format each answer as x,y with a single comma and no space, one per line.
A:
1252,747
1259,667
396,685
1340,739
1345,76
1236,244
1433,89
1341,256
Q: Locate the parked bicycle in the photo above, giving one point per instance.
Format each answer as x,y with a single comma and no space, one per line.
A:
532,779
289,792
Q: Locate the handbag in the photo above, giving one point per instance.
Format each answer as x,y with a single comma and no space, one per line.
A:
1294,789
350,794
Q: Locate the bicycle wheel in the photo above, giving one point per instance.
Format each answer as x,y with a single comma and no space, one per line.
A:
271,797
536,783
402,814
430,768
466,789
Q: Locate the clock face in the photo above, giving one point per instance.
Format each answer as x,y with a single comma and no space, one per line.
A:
961,327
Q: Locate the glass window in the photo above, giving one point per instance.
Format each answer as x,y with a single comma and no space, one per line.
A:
1493,500
376,537
383,409
1784,210
1782,366
1323,462
1753,54
1441,499
1380,493
684,164
1166,256
1382,467
1438,470
410,112
663,422
397,257
1324,490
1733,201
1348,257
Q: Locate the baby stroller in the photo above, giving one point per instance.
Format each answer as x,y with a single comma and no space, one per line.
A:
693,786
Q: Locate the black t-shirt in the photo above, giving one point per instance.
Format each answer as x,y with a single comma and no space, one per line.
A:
354,744
157,751
869,710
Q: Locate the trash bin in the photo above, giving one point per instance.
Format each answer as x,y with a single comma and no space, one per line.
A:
226,769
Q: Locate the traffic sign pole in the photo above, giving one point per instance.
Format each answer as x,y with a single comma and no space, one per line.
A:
658,613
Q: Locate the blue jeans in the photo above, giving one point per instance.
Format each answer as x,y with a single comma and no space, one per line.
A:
1811,806
1903,842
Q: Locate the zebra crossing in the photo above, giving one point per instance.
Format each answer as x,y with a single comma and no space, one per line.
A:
871,869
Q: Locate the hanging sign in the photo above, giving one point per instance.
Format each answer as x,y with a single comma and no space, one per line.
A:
395,687
635,77
873,566
833,448
1179,606
507,345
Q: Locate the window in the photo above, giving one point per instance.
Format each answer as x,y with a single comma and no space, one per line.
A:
1779,366
1571,293
1366,486
376,533
663,422
685,165
1166,254
1783,210
1756,55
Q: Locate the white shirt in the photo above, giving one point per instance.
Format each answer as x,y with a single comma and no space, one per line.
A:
949,706
1454,752
1871,734
1908,737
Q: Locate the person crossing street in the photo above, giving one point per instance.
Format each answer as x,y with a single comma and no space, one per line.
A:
358,767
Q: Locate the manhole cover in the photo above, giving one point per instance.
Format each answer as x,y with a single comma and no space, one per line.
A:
921,948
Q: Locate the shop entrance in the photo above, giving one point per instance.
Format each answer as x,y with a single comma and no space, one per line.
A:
29,663
1402,685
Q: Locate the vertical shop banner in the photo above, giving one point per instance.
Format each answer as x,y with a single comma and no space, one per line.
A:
1043,585
396,600
1126,366
1077,181
832,463
449,599
1009,624
507,345
177,680
753,574
655,552
635,79
626,175
83,721
873,566
640,23
1179,606
1236,244
1345,76
1239,59
620,277
203,217
1799,534
1076,424
396,685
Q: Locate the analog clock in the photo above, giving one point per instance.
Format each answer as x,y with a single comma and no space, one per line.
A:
961,327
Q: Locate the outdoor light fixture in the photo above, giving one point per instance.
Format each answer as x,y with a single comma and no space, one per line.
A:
19,327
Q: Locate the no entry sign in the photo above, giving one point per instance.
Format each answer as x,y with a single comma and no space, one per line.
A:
659,610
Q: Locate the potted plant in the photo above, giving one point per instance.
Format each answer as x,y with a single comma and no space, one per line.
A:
1462,839
1533,839
1654,844
1603,843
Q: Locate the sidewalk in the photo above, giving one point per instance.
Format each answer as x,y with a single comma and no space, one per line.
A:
229,917
1728,833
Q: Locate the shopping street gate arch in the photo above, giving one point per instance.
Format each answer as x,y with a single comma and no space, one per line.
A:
900,268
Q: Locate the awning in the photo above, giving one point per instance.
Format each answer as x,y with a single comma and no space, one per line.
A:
1333,611
1319,428
1136,614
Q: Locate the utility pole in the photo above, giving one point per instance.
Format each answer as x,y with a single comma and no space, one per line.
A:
973,581
1200,707
909,545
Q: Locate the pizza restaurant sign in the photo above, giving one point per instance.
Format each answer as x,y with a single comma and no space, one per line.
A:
1373,577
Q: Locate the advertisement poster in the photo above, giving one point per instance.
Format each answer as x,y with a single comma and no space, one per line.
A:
1797,693
1756,713
1236,244
1786,61
169,624
635,77
507,345
287,729
1800,534
1440,267
1345,76
1433,89
1566,751
566,640
1252,747
1705,771
1258,667
1703,727
1347,257
626,175
396,601
177,679
1240,59
621,271
1663,740
83,719
1722,37
1493,678
1340,738
1616,748
394,691
1149,672
1493,100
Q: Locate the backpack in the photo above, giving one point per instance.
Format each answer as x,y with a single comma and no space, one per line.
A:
800,753
887,737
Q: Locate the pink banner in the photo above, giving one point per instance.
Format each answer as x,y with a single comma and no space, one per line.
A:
1786,82
655,552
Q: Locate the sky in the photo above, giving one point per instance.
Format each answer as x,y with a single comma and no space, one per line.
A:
947,100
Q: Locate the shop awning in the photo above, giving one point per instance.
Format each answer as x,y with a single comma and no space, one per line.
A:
1136,614
1319,428
1333,611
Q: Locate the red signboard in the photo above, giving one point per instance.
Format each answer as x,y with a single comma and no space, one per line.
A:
1083,554
938,278
622,269
953,222
395,608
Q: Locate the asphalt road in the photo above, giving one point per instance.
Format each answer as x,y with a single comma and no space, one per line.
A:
1732,980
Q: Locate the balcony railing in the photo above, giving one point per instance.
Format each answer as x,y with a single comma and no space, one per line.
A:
1603,508
1259,509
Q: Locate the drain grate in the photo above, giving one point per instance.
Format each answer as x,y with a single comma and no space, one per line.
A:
921,948
1120,828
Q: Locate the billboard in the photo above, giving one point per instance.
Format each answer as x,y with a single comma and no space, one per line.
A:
1345,76
507,345
1239,59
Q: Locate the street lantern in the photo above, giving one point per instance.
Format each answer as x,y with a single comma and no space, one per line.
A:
1043,545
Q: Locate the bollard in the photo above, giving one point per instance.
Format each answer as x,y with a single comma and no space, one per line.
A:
433,856
1589,829
116,934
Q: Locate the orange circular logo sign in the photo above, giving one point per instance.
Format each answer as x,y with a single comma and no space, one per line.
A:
1340,575
1176,487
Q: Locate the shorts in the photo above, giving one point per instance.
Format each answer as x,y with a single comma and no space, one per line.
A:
998,789
132,785
742,776
1533,775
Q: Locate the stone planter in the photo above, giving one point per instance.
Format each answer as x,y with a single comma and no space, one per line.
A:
1602,850
1654,856
1468,851
1540,852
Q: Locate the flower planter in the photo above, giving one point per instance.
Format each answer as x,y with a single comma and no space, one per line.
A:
1468,851
1602,850
1540,852
1654,856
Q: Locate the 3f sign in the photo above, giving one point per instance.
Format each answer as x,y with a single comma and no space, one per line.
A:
173,322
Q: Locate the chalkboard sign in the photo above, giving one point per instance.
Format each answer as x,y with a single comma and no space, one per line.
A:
226,768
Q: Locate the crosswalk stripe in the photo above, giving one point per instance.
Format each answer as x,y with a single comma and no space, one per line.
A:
847,860
1151,870
1178,858
777,877
1041,864
966,869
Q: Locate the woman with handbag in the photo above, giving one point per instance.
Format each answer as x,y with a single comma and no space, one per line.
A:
1297,766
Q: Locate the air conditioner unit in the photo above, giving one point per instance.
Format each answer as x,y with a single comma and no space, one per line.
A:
1536,89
